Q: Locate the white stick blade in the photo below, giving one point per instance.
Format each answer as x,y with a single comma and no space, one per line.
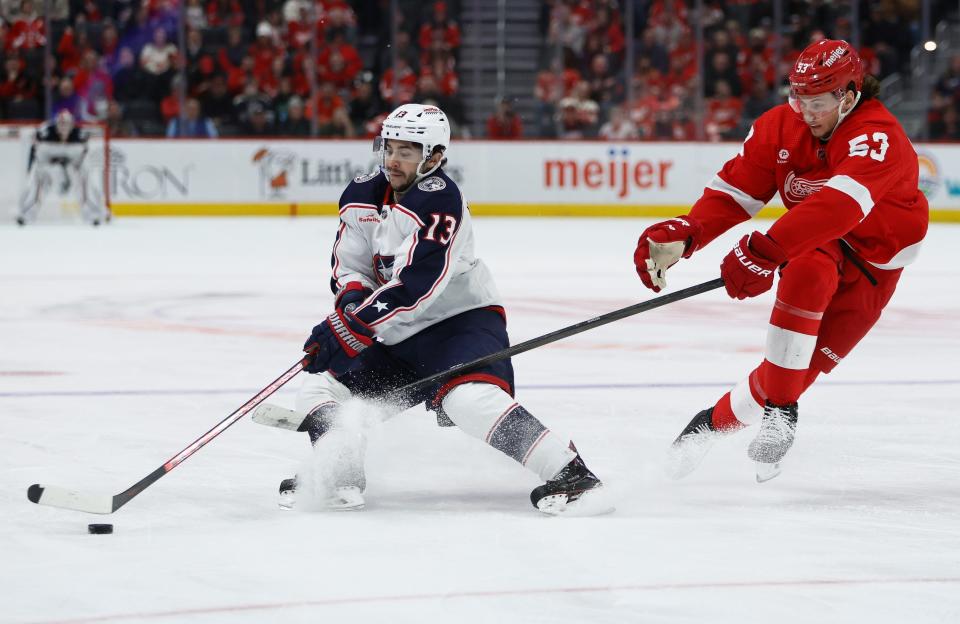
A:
276,416
54,496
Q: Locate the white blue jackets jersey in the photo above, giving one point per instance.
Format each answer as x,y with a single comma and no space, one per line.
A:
417,255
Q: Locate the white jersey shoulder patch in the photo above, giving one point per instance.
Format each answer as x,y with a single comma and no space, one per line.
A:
431,184
360,179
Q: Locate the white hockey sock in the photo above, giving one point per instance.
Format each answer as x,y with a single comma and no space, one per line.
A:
486,412
742,402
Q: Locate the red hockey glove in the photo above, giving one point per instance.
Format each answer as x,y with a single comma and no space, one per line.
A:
335,342
748,270
662,245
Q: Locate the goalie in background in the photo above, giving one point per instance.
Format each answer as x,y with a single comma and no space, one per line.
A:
57,161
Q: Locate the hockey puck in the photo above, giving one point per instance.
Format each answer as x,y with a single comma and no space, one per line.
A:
99,529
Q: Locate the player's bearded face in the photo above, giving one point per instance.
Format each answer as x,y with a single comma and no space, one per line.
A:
400,159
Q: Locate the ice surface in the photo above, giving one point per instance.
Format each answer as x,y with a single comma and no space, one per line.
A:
121,345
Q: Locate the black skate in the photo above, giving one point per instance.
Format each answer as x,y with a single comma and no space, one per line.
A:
575,491
777,431
693,443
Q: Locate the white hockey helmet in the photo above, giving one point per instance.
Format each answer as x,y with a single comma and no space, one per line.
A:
417,123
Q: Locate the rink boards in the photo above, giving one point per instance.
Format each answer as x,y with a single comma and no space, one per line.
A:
242,177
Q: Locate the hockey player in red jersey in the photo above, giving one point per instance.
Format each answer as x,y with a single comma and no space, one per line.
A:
847,174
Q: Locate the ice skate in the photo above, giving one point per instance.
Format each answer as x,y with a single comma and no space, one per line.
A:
693,443
777,430
341,498
575,491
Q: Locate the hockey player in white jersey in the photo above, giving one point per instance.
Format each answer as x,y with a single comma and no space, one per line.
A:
57,157
412,300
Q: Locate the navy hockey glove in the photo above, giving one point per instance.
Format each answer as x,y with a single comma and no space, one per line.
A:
335,342
350,296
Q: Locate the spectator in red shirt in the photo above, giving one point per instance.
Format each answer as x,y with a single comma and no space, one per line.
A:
504,123
555,83
336,71
330,113
448,30
406,84
351,58
644,109
300,31
15,85
224,13
239,77
71,48
723,113
609,27
264,49
444,77
28,31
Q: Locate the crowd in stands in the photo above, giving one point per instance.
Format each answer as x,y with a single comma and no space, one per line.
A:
245,67
943,118
582,87
321,67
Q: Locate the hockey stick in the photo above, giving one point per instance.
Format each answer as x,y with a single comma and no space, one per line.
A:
560,334
106,504
274,416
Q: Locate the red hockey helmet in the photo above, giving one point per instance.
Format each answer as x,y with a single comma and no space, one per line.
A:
827,66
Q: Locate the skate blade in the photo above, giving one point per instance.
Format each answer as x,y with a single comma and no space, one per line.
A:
345,499
590,503
684,457
765,472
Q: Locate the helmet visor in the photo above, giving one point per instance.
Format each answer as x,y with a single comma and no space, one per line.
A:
814,106
403,151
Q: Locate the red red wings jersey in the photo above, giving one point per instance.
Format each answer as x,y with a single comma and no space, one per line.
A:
860,186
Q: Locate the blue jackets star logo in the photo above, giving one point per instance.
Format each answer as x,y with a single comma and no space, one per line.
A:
380,306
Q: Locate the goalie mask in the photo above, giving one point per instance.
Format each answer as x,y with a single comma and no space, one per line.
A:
417,123
64,123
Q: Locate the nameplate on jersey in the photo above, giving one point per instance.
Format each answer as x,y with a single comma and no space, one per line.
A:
431,184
